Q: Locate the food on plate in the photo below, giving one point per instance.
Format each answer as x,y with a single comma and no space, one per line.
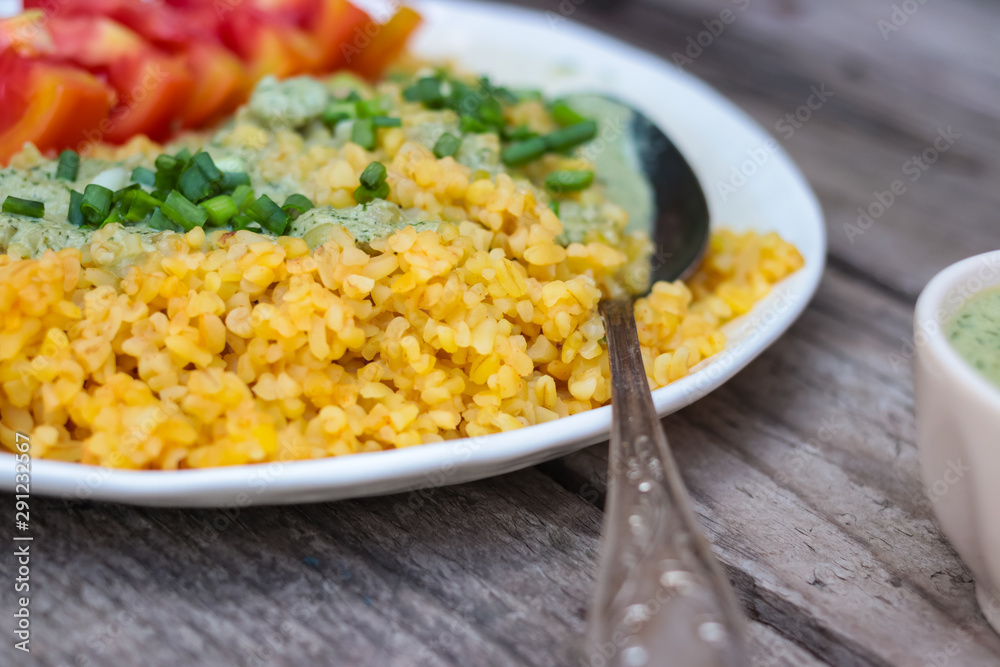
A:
974,332
80,72
340,267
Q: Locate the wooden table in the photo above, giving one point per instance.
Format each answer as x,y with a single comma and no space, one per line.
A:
803,468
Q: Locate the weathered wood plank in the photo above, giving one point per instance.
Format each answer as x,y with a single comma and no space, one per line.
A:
804,472
494,573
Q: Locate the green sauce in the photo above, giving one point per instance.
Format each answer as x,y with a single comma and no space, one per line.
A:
974,332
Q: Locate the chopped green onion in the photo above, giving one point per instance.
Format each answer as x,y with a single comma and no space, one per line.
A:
268,215
428,91
353,96
69,166
194,185
136,205
571,136
166,162
491,112
27,207
242,195
96,204
569,180
184,212
472,125
373,184
168,170
161,222
370,108
523,152
120,194
447,145
114,216
339,111
554,205
144,176
373,175
564,115
233,179
220,210
386,121
363,133
183,155
75,215
363,195
295,205
520,133
207,166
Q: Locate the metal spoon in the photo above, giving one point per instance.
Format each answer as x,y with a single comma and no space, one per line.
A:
662,597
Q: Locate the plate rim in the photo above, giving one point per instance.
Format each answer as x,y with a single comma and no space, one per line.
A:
439,464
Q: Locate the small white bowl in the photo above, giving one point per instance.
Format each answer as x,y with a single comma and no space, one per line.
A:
958,428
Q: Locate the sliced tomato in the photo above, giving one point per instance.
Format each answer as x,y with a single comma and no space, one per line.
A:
369,60
153,87
221,84
267,47
51,105
26,35
337,26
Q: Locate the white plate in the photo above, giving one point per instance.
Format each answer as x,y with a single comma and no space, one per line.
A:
525,48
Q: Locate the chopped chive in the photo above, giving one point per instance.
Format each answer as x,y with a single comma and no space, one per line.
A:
144,176
161,222
447,145
491,112
268,215
472,125
114,216
182,211
26,207
120,194
428,91
204,162
166,162
75,215
386,121
69,166
370,108
96,204
233,179
523,152
363,133
241,221
220,210
339,111
571,136
373,175
520,133
554,205
183,155
195,184
564,115
363,195
137,204
295,205
242,195
570,180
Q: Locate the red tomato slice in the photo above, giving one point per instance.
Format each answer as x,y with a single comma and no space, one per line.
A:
153,87
371,59
51,105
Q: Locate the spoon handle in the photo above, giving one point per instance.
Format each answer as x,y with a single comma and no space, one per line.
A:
662,598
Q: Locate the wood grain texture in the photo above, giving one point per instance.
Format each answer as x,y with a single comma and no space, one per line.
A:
803,469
